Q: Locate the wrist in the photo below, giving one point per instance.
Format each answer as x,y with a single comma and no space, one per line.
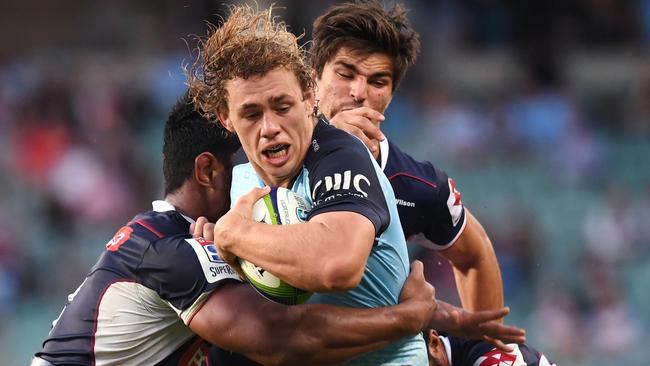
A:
236,234
412,316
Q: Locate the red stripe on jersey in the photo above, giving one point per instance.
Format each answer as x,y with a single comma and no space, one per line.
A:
99,301
149,227
433,185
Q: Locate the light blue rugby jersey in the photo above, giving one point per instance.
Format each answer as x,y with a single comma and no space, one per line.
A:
340,174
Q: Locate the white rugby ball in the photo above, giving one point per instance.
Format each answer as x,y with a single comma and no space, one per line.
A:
280,207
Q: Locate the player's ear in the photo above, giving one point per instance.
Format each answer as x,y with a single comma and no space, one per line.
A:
435,348
433,339
224,118
206,168
310,101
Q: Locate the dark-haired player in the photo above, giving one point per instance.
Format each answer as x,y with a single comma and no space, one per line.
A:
156,296
360,53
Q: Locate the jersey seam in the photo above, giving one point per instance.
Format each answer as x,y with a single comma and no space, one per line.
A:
142,223
420,179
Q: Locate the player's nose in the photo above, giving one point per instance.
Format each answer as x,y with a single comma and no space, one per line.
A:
270,126
359,90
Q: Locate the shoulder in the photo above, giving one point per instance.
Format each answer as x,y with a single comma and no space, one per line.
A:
133,240
399,165
328,140
161,224
173,259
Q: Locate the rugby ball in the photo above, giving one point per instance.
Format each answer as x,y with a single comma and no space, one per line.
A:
280,207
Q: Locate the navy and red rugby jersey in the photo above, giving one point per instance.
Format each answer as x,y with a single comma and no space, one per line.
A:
465,352
134,306
427,199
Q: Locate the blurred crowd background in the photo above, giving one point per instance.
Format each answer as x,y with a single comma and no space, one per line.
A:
539,109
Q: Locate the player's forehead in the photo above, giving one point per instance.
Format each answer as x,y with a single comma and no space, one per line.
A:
363,61
276,86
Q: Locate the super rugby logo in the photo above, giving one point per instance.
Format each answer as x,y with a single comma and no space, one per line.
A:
214,268
344,181
210,250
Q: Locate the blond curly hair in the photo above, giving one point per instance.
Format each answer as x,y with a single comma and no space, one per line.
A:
248,43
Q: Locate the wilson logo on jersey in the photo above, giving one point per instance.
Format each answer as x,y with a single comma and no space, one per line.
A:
453,202
120,238
345,181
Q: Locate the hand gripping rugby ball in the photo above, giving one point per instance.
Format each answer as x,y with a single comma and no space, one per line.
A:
280,207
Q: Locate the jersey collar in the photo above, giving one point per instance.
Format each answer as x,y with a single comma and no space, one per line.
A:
163,206
445,342
383,153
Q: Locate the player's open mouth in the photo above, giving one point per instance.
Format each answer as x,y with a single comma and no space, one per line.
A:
276,152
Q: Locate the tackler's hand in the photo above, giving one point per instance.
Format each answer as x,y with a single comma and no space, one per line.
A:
363,123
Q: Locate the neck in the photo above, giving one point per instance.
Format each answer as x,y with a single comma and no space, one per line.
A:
189,203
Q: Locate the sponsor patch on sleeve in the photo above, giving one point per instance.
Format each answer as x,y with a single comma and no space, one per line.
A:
214,268
454,203
498,358
120,238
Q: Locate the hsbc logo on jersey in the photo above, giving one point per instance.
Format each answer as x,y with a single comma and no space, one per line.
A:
454,203
345,181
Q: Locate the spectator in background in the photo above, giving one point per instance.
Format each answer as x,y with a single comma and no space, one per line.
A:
556,322
605,309
610,226
454,128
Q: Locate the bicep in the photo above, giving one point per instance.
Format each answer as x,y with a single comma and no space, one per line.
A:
350,234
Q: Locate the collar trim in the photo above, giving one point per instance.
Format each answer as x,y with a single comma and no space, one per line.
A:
164,206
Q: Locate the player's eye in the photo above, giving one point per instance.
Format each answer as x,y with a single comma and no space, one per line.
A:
379,83
345,75
253,116
283,109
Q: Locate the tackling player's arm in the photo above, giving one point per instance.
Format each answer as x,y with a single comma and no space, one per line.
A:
274,334
236,318
475,266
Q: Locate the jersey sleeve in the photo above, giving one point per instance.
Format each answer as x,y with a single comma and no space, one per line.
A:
184,271
447,219
344,179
